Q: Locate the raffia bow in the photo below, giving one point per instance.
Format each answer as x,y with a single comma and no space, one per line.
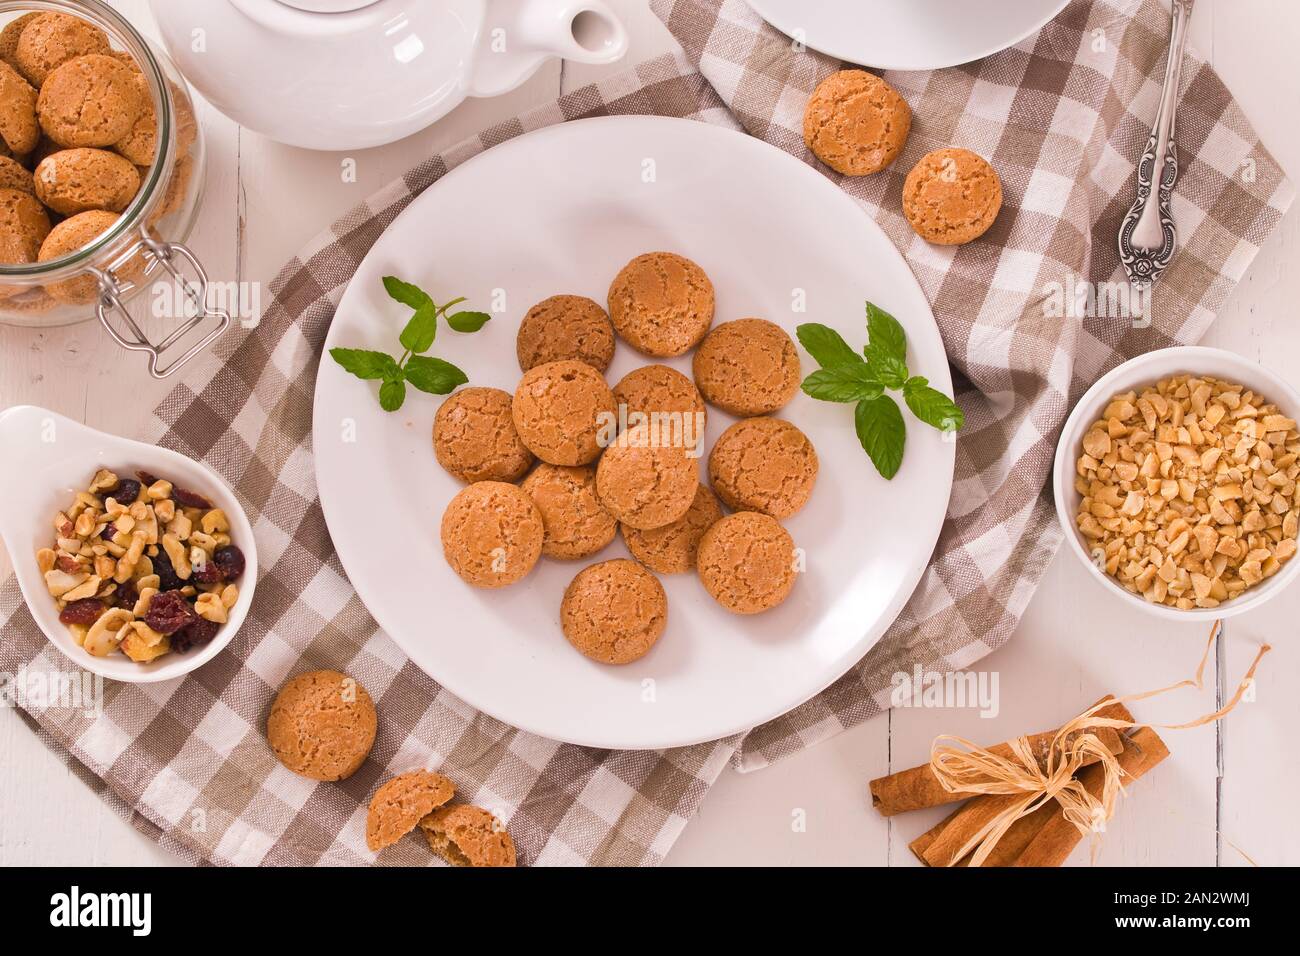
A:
962,767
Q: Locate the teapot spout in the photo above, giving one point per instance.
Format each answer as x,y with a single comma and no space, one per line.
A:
518,35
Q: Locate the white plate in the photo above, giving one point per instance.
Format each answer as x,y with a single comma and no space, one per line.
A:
561,210
908,34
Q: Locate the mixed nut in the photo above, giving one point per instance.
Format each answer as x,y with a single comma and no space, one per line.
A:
141,566
1189,490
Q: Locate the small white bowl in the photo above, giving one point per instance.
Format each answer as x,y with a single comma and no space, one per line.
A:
52,458
1144,370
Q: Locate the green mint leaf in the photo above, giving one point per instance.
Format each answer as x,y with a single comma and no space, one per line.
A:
882,432
433,375
932,406
420,332
916,381
366,364
826,345
885,335
842,383
468,321
886,369
391,394
407,293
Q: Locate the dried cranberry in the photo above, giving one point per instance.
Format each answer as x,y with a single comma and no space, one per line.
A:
169,612
108,532
230,560
147,477
125,596
195,634
168,579
210,573
190,499
126,492
86,611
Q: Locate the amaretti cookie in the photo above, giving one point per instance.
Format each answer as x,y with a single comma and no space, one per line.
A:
672,548
576,523
565,327
70,235
140,144
746,562
661,304
13,175
74,180
18,124
763,464
24,226
322,725
747,367
9,37
856,123
491,534
90,101
651,389
474,437
951,196
644,484
561,410
400,804
51,39
465,835
614,612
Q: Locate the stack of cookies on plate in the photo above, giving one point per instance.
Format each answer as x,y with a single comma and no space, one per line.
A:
560,467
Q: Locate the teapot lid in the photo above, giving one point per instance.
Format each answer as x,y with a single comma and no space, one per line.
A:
327,6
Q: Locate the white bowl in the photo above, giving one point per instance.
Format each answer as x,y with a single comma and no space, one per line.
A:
58,457
1148,369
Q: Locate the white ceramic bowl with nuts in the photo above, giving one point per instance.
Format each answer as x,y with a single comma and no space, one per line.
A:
1169,526
58,457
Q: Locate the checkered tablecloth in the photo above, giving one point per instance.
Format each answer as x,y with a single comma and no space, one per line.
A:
1062,116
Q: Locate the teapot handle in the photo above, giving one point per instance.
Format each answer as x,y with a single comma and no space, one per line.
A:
518,35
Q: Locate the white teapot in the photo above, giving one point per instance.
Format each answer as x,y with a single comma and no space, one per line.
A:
349,74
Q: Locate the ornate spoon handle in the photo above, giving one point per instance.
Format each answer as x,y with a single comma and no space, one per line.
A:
1147,237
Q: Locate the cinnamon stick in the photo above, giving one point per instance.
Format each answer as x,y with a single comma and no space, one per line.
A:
941,845
918,788
1052,845
1006,850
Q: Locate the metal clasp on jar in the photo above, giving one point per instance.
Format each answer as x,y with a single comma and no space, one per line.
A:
112,289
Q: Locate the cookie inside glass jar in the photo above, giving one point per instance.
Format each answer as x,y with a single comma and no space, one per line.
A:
79,137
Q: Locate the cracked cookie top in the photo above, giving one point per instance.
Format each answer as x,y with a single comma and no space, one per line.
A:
747,367
614,612
856,123
491,534
765,465
561,410
645,484
951,196
661,304
747,562
565,327
474,437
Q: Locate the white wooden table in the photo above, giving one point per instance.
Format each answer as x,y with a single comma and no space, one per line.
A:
1227,791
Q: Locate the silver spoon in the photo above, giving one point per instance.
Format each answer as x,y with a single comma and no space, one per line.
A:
1146,236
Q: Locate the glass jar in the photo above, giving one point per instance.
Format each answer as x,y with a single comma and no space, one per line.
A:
146,241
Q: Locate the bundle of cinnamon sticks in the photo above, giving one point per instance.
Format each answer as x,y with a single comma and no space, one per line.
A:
1044,837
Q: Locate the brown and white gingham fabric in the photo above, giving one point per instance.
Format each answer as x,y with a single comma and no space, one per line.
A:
1061,116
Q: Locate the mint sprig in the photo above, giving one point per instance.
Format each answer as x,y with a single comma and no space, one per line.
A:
845,376
424,372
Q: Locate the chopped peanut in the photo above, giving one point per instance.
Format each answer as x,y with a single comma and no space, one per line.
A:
1190,490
